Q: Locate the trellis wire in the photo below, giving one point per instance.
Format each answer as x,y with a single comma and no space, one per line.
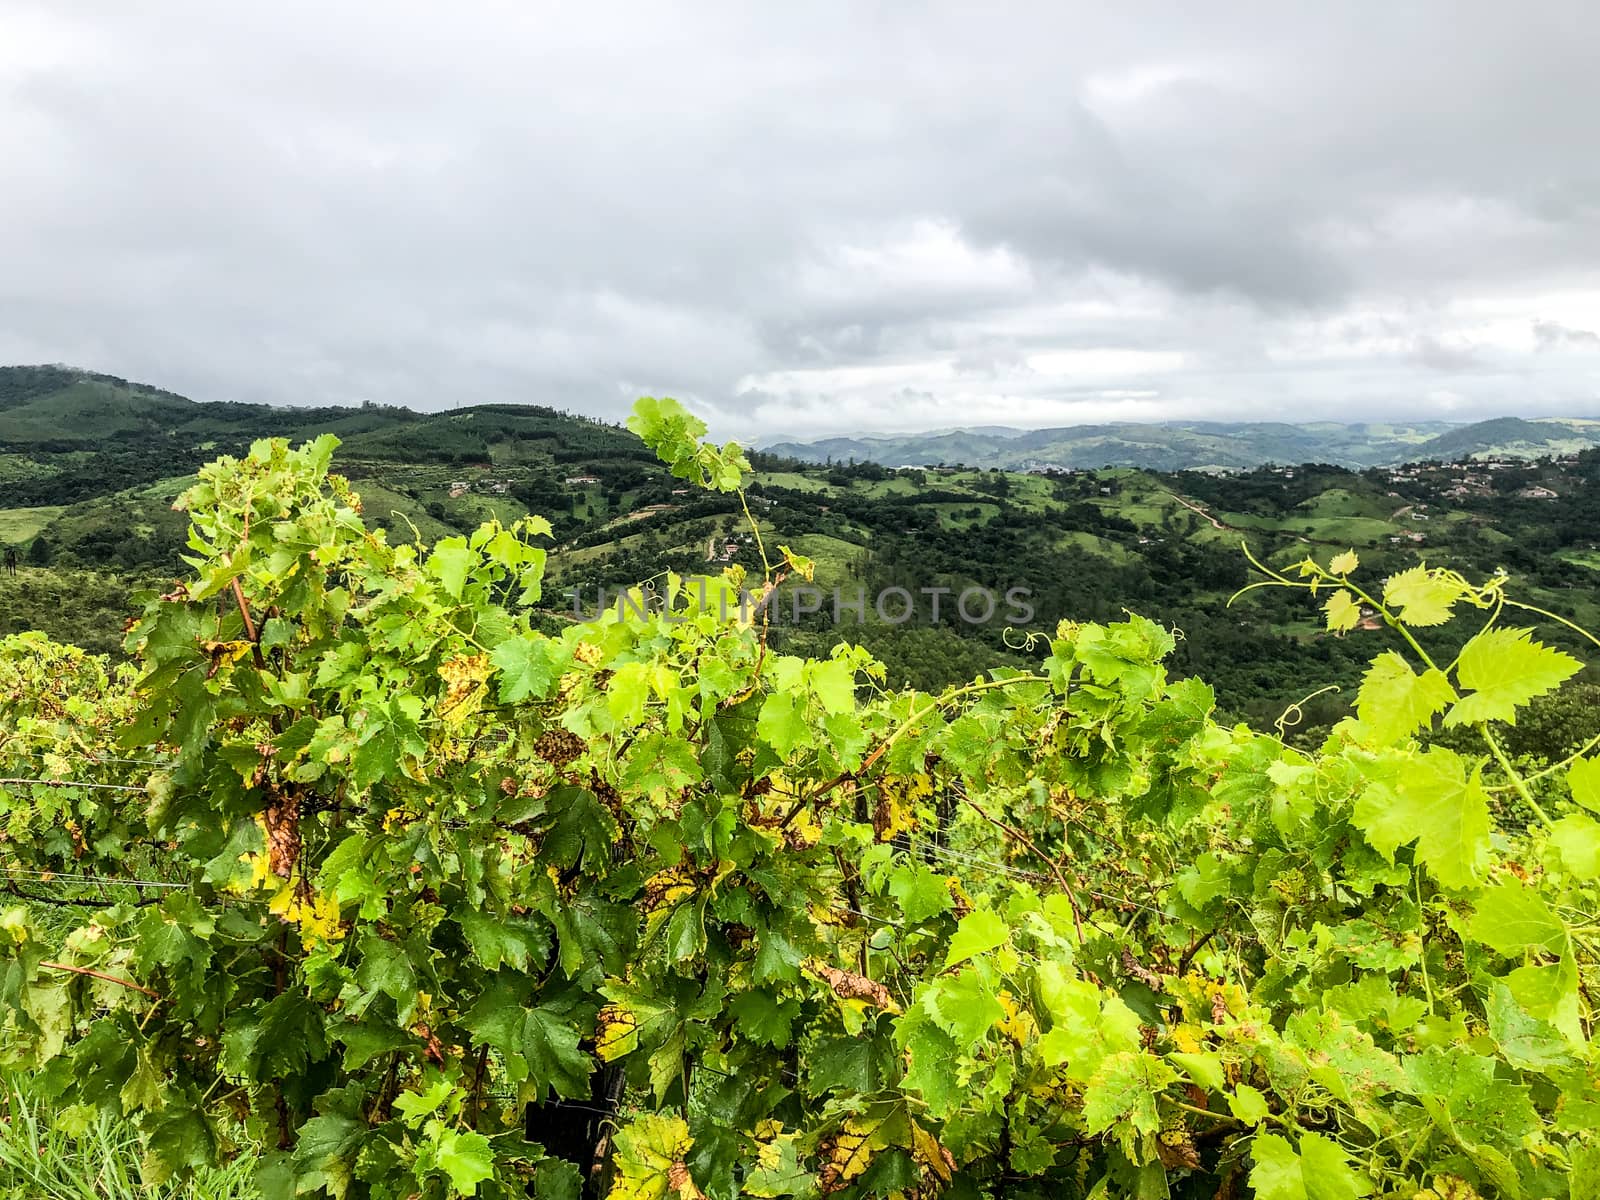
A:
76,880
71,783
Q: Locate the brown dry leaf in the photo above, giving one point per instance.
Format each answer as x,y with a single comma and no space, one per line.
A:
559,746
1176,1150
679,1181
281,819
1134,969
847,985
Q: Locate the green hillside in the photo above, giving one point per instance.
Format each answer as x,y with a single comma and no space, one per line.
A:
1081,545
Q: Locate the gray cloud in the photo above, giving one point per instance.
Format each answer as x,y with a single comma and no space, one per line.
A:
811,219
1551,335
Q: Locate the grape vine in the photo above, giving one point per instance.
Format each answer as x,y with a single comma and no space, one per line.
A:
356,870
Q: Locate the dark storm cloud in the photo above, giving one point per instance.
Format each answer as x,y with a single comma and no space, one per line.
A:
810,218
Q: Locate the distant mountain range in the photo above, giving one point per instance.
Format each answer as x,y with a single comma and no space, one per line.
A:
58,410
1201,445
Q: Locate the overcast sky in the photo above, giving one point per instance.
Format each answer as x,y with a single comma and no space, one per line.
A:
812,218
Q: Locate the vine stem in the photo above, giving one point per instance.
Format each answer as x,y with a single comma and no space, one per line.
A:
1422,915
944,701
1555,768
1394,623
127,983
1511,773
910,723
1556,617
1019,835
755,528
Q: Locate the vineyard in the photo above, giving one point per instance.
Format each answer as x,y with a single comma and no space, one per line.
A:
354,872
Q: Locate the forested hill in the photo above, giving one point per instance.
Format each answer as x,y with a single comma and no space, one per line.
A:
1203,445
75,433
90,465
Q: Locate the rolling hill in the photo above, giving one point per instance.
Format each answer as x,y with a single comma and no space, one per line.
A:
1205,445
89,466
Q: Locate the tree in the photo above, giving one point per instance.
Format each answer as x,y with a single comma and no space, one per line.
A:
40,552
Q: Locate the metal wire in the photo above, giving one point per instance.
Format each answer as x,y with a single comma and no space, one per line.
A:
86,756
71,783
960,858
67,877
856,912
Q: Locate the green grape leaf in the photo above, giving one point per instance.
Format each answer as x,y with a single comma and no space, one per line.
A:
466,1158
1577,839
782,723
1466,1094
1511,919
963,1006
922,893
764,1019
1525,1040
552,1049
1319,1171
526,667
1248,1104
1204,1069
1203,882
1550,993
1583,779
934,1056
1394,701
511,941
450,562
979,931
1505,668
1430,799
1343,613
325,1151
1423,596
834,683
417,1106
1086,1025
1122,1097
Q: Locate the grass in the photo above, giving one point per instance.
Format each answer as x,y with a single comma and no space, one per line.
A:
41,1162
834,557
792,480
1339,502
22,524
1582,558
955,516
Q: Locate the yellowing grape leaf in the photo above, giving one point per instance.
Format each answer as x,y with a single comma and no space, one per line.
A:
850,1151
649,1160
